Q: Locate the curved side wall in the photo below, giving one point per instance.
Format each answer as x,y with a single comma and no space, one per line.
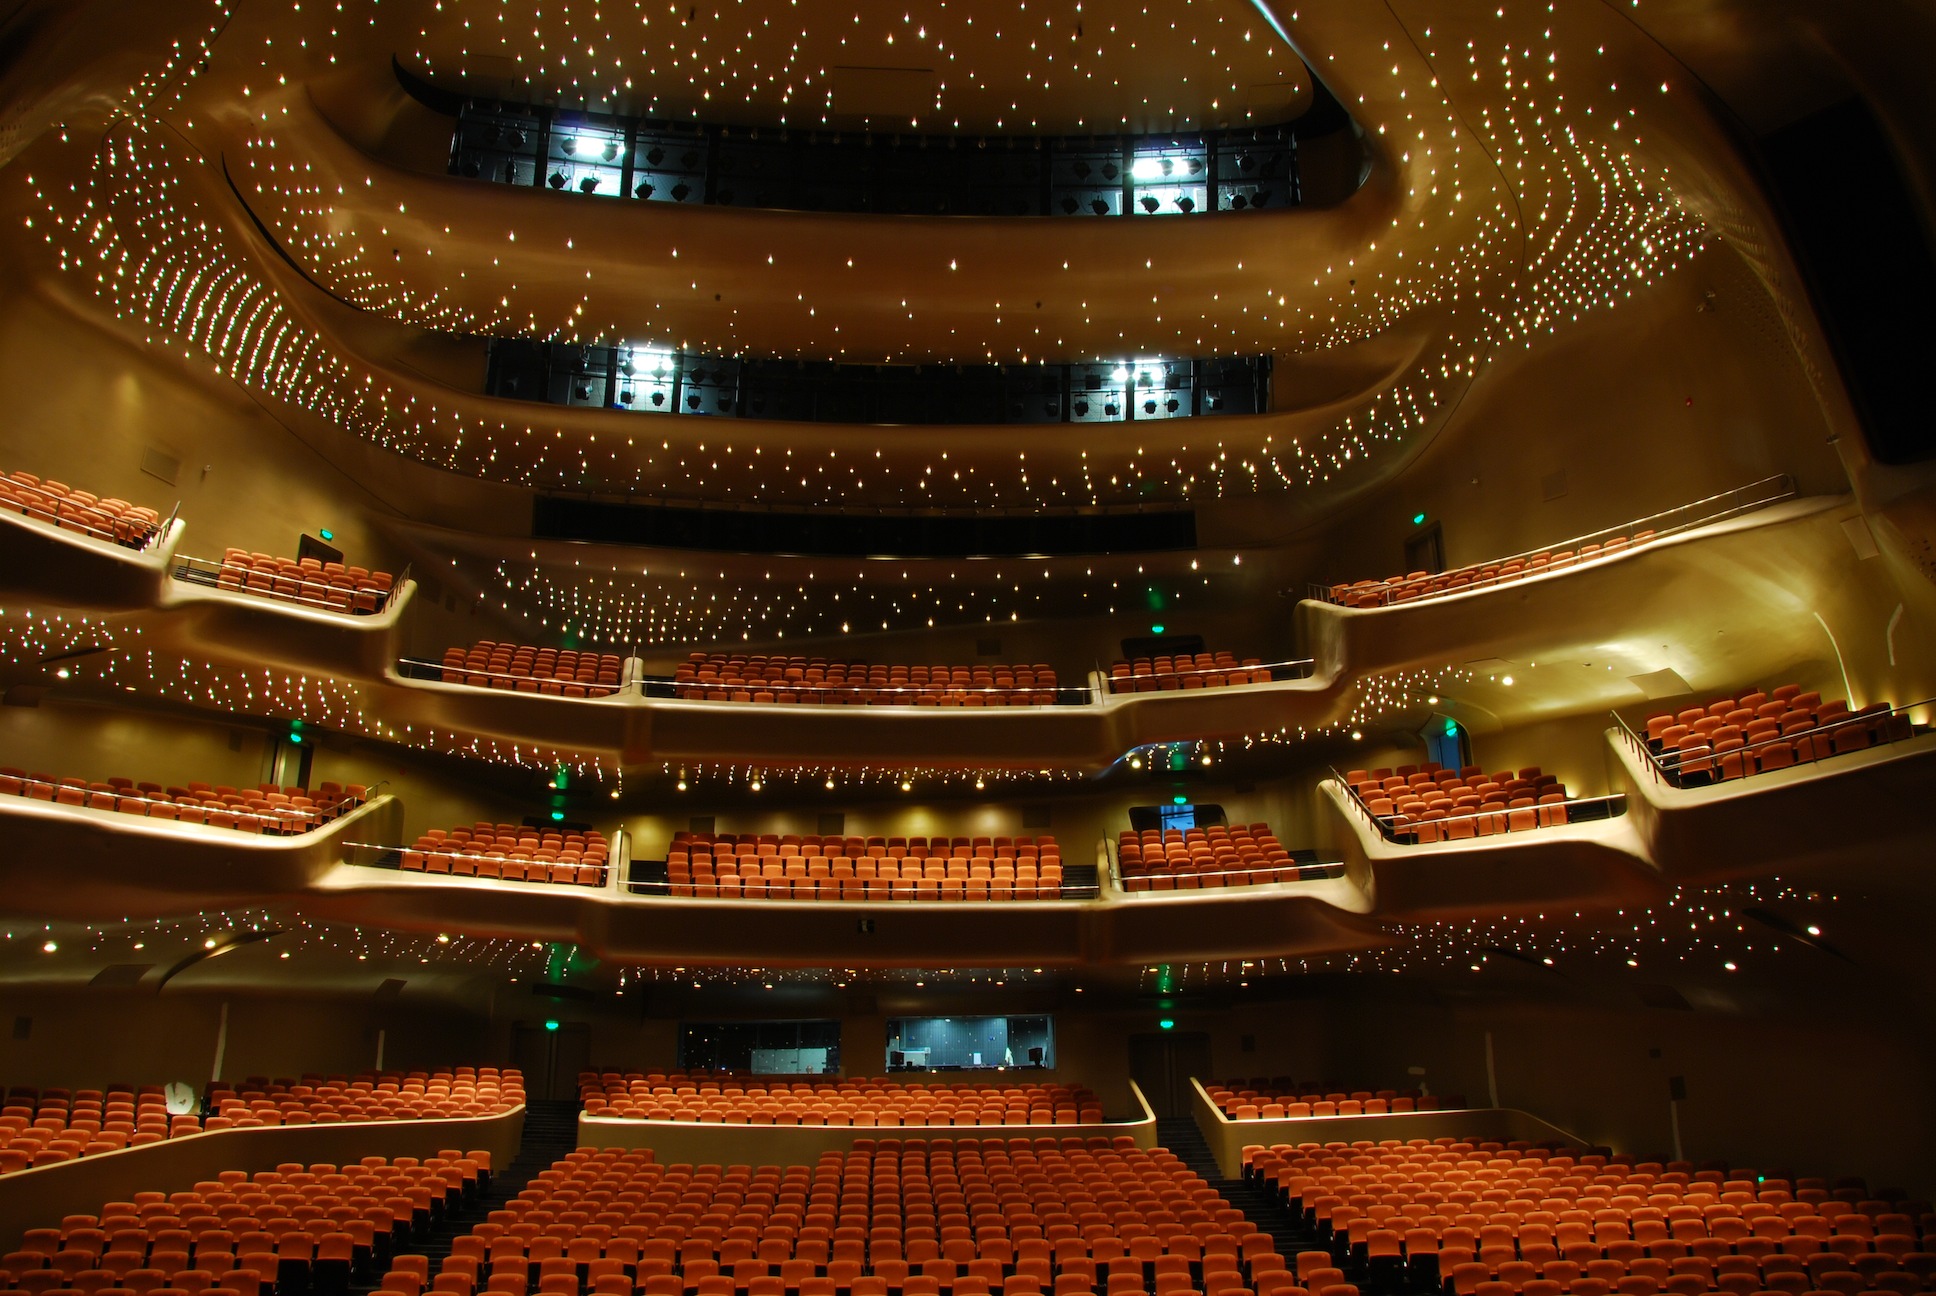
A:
679,1142
1229,1138
39,1197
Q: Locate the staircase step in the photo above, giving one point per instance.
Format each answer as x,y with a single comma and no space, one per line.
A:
550,1132
1289,1233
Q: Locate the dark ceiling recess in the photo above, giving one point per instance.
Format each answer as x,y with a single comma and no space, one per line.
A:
1863,246
843,534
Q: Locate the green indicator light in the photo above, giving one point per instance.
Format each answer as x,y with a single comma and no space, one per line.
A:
1156,629
326,534
1451,728
558,815
551,1025
1166,1024
1179,800
1418,519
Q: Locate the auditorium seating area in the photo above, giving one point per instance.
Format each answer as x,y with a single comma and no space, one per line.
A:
367,1096
311,582
512,853
735,677
1732,738
1185,671
558,672
1487,1219
114,520
750,1100
1220,856
268,809
1421,584
864,868
1282,1098
1416,804
1021,1217
294,1229
42,1127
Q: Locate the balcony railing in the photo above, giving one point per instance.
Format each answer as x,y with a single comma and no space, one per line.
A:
253,812
417,668
1234,675
767,692
1604,543
653,878
537,866
1705,763
1407,830
129,526
1309,869
350,591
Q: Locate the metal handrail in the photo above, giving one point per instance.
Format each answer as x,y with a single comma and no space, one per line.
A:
422,669
1064,891
1297,668
1669,769
1326,867
48,510
317,594
845,694
602,863
1390,829
174,516
302,821
1781,485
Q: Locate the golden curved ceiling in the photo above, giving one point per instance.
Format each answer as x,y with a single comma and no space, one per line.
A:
1521,179
1014,67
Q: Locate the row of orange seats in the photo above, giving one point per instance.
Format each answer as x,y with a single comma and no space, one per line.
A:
749,1101
1026,869
1429,804
522,668
311,582
109,519
1282,1099
1185,671
58,1125
1217,856
512,853
1422,584
367,1096
265,809
734,677
788,845
913,1216
287,1229
1732,738
52,1125
1546,1222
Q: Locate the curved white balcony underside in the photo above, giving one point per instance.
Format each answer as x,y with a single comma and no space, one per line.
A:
76,862
44,564
1866,807
1853,810
1279,919
1717,605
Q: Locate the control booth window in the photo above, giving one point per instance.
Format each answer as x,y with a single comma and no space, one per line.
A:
761,1047
969,1043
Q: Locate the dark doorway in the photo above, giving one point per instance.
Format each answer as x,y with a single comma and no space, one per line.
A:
1425,550
551,1058
1446,742
1162,1064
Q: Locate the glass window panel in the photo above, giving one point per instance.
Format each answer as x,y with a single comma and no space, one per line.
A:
1170,180
969,1043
